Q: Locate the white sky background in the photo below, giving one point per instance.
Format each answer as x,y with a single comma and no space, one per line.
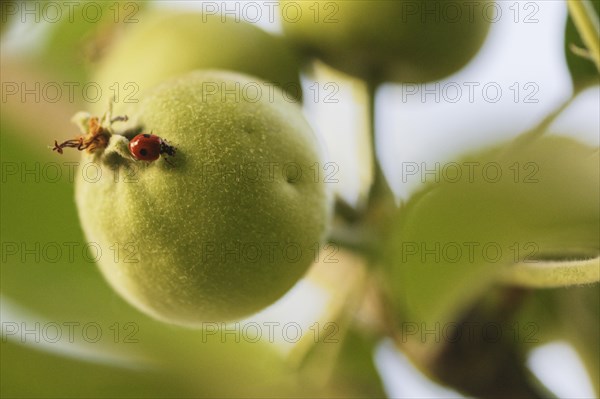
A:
411,128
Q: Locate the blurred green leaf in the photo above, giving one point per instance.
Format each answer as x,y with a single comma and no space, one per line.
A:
28,373
355,374
336,355
46,226
341,363
76,34
524,202
583,71
4,19
538,320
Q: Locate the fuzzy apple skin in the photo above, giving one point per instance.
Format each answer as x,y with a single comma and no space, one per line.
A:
189,223
388,40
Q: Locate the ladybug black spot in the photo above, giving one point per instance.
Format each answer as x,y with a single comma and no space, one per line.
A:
143,152
147,135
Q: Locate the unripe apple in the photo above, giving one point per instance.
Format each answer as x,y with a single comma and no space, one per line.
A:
167,43
389,40
225,226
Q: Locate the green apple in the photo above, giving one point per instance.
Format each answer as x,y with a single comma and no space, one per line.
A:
390,40
164,44
228,224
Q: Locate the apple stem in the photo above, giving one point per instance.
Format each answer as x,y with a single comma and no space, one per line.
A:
380,188
381,204
363,230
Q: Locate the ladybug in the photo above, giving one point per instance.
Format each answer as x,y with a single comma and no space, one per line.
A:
149,147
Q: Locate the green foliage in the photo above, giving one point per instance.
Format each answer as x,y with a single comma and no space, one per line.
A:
355,371
524,202
5,14
583,71
77,34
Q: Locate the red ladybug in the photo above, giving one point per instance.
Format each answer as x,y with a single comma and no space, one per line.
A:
149,147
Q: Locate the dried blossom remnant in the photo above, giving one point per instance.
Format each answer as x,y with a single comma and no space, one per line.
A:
97,133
